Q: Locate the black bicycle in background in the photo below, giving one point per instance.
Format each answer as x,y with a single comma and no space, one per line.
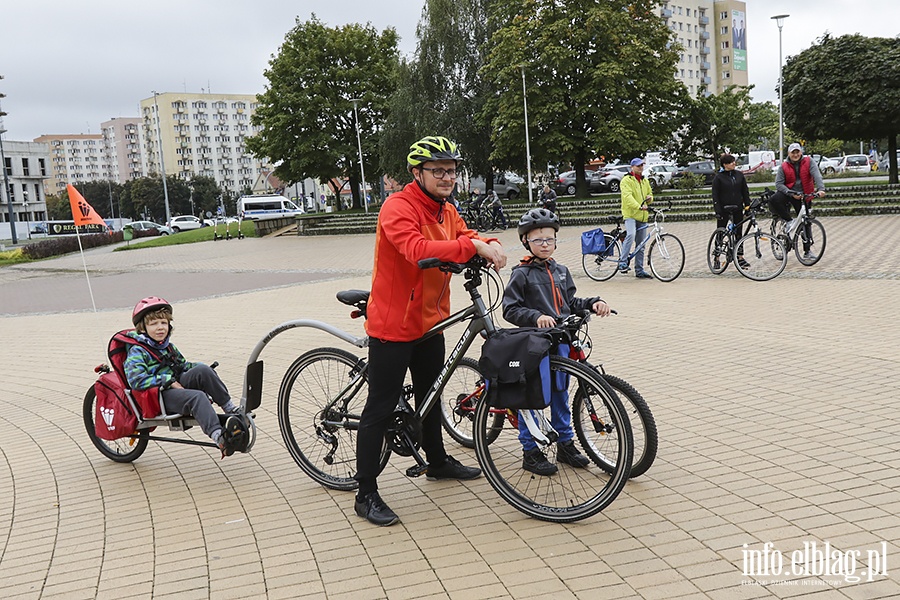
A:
758,255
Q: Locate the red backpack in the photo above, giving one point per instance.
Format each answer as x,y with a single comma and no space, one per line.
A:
115,417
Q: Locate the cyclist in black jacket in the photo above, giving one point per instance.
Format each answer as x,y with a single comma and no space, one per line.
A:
729,189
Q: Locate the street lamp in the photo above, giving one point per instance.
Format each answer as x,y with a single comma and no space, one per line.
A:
12,217
527,142
162,160
362,170
779,20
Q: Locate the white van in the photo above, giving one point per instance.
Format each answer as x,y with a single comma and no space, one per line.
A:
755,161
267,207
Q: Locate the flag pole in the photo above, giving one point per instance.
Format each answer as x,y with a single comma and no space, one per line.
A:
83,262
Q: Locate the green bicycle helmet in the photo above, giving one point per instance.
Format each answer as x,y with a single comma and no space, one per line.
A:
432,148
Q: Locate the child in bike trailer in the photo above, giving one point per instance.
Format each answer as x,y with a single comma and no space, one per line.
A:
186,387
540,291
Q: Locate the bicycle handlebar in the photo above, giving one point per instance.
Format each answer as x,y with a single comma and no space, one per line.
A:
476,262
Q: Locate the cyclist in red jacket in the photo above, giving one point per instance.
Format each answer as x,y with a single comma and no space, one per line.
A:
405,302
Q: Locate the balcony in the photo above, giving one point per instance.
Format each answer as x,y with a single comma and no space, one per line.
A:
704,49
705,80
705,66
704,20
665,13
704,35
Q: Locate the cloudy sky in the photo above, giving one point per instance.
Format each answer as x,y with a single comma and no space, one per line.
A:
71,65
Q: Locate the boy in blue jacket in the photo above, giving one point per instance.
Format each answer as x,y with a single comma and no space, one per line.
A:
541,291
186,387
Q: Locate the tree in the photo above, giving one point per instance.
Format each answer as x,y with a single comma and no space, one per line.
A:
206,194
601,80
727,121
846,87
144,198
102,195
306,110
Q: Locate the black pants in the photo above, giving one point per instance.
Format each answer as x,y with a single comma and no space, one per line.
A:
780,204
388,363
735,215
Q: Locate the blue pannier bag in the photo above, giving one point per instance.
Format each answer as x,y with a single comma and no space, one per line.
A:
593,242
515,364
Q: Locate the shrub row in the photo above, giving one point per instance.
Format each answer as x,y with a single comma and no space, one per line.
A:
66,244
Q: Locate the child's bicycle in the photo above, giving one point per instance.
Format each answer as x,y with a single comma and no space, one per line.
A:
131,446
665,255
324,391
462,396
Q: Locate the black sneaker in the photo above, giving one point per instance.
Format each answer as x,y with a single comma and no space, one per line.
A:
535,461
451,469
567,453
373,509
744,264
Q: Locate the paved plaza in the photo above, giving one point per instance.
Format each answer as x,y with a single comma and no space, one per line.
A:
778,407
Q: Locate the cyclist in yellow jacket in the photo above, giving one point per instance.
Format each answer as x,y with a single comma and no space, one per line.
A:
636,194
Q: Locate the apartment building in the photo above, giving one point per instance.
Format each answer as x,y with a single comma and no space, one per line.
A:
74,158
202,134
25,167
122,149
713,37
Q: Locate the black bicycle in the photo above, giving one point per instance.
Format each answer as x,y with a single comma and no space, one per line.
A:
757,255
323,393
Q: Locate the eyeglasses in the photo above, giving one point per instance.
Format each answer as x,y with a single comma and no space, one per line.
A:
543,241
441,173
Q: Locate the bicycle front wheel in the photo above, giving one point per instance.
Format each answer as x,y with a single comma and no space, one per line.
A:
717,256
462,393
320,402
666,257
571,493
809,246
760,256
590,420
602,266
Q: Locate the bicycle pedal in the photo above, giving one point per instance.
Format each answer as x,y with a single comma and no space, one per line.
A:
416,470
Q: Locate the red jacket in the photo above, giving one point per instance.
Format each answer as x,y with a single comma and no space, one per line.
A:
806,178
407,301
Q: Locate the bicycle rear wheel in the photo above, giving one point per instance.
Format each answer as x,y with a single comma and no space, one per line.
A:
463,391
592,427
601,267
809,248
666,257
572,493
122,450
320,402
759,256
717,256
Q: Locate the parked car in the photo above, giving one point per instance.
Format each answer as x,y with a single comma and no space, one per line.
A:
184,223
704,168
858,163
148,226
506,185
660,174
885,163
565,184
611,177
826,165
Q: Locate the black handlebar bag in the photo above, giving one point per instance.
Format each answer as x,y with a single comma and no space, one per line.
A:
515,364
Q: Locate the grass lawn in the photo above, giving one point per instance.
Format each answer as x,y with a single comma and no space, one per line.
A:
204,234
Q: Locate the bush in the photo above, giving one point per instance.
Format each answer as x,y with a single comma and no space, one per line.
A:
761,176
689,181
65,244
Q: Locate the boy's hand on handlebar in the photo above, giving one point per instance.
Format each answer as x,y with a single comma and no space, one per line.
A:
601,308
493,253
546,321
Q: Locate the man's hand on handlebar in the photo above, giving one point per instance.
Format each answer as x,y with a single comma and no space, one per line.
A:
493,253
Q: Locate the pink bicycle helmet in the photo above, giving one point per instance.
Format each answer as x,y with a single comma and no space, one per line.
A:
146,305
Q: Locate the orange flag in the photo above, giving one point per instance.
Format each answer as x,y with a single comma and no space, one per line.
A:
82,212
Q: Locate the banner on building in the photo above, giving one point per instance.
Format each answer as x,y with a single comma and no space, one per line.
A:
739,39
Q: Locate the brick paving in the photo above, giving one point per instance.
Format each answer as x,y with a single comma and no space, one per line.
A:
777,405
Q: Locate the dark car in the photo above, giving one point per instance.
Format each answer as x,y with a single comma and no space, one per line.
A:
565,184
704,168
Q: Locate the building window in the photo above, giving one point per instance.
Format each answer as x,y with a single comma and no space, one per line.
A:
25,170
726,60
724,45
726,74
723,16
7,164
43,167
724,30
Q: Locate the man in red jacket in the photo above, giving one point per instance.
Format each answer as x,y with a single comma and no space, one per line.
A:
405,302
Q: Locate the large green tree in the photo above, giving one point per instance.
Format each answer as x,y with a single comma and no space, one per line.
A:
103,196
600,79
144,197
725,121
846,87
307,111
441,91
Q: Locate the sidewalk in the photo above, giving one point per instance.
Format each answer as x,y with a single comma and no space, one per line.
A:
778,405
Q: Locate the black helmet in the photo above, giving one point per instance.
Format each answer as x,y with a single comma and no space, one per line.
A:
537,218
432,148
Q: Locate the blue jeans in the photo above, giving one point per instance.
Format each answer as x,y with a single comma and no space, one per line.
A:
635,232
560,411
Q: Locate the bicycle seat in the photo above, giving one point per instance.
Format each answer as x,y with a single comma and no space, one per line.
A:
353,297
730,207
